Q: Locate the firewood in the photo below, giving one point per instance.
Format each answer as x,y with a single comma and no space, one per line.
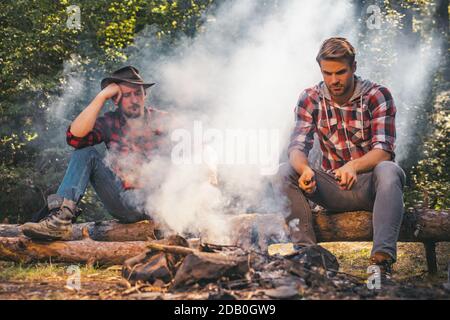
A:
204,267
171,249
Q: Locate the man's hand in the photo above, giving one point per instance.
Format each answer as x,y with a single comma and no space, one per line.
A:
112,91
346,176
306,181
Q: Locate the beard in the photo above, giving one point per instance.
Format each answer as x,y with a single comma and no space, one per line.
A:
340,90
337,92
131,113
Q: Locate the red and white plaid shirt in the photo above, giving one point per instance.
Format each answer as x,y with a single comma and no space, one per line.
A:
345,132
128,149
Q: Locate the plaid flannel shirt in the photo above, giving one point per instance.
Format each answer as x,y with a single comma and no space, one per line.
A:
345,132
128,149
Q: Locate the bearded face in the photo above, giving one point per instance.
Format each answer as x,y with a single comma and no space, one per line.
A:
338,76
133,100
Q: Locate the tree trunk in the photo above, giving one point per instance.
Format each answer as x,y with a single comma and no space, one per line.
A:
442,24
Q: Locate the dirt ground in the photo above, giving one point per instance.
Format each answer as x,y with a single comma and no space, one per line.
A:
54,281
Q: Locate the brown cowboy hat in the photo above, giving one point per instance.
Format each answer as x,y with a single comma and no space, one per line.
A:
127,74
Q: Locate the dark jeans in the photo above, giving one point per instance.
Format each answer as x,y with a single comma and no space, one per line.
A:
379,191
86,165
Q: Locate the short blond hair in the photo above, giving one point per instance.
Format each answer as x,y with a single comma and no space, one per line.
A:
336,48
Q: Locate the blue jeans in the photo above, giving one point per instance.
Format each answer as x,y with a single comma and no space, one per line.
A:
86,165
379,191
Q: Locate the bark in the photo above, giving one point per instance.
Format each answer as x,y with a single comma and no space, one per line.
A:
420,226
86,251
100,231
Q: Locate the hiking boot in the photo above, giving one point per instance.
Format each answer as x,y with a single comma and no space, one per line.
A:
56,226
54,202
384,262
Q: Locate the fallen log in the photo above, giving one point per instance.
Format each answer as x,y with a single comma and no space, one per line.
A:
87,251
424,225
110,230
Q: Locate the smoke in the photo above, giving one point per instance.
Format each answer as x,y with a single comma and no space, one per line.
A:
235,86
243,73
232,90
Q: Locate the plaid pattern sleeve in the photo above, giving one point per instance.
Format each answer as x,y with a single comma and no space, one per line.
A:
383,121
96,136
302,137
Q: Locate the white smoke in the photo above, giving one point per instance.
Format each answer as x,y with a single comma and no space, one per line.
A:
243,73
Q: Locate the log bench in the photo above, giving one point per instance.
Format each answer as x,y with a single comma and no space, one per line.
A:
124,240
426,226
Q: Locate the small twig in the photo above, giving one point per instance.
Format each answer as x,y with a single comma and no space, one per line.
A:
171,249
212,245
133,289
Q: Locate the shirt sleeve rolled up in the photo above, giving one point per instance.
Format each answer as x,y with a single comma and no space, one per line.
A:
383,122
302,137
95,136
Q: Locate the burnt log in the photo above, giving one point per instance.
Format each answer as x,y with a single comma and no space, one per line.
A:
158,263
204,267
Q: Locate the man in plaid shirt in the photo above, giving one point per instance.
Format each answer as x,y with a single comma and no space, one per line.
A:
133,134
354,121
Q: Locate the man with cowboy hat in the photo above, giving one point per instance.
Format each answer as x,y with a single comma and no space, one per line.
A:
132,134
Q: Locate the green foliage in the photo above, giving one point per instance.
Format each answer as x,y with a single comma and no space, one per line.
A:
415,22
38,53
431,176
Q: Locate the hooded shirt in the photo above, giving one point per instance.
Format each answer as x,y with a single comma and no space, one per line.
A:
345,132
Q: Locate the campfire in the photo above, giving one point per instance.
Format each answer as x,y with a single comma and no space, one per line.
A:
253,267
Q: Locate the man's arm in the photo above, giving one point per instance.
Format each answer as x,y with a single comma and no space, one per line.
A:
299,162
85,121
370,160
302,139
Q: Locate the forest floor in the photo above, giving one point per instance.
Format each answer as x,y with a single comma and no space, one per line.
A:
49,281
